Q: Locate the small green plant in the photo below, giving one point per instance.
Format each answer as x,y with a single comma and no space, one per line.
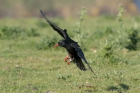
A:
80,35
107,53
126,38
41,24
32,32
109,30
82,13
121,11
11,32
121,36
133,39
46,43
16,32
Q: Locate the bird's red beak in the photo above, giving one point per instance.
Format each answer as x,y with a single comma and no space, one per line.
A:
55,45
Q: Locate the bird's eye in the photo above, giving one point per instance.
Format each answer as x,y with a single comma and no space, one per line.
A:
61,43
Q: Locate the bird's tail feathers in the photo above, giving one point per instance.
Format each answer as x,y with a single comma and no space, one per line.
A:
89,66
91,69
80,64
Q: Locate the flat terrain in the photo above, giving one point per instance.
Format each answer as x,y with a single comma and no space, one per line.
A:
29,64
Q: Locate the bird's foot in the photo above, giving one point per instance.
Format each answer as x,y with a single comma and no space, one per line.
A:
69,63
66,58
70,60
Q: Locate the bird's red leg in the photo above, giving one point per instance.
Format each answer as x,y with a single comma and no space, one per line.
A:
70,59
66,58
69,63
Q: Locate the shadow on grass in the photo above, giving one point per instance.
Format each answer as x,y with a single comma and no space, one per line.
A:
112,88
119,89
124,86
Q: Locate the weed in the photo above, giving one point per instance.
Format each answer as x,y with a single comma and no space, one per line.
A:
80,35
133,39
82,13
121,11
41,24
109,30
125,38
46,43
108,54
11,32
121,36
16,32
32,32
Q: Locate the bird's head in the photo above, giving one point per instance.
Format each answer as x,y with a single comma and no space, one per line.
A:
60,43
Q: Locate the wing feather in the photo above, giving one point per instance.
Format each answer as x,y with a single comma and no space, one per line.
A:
81,55
62,32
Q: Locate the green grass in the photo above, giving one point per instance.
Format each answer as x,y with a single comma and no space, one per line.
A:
24,68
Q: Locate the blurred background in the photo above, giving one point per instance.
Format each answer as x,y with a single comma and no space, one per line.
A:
66,8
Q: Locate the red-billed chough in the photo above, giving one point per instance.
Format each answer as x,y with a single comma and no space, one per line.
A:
74,51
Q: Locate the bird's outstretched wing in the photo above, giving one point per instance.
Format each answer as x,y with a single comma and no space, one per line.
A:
81,55
62,32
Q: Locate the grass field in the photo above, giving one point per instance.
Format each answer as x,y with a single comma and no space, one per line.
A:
29,64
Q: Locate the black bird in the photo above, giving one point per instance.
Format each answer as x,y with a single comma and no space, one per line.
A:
74,51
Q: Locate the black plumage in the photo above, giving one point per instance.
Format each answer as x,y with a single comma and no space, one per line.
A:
72,47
